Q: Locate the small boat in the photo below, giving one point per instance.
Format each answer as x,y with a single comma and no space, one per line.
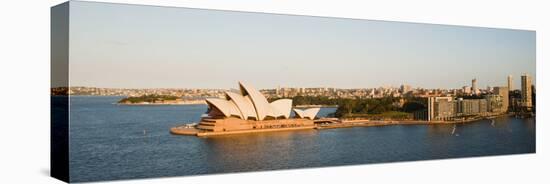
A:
454,129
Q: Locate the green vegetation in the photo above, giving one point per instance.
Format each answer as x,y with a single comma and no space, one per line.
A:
413,104
363,107
147,98
395,108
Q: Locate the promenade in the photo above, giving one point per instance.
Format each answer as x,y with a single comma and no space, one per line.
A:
328,123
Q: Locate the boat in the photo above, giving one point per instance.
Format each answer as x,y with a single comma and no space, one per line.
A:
454,129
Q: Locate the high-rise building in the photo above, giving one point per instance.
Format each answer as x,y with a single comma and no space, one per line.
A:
494,103
510,83
471,106
440,108
504,93
278,91
474,86
526,90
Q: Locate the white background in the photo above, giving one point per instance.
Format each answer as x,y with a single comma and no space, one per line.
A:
24,91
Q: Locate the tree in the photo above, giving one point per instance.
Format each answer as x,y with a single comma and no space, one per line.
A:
413,106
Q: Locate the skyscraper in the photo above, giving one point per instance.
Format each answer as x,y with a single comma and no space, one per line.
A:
503,92
526,100
474,86
510,83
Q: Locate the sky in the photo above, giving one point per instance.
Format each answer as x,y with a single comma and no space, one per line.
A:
133,46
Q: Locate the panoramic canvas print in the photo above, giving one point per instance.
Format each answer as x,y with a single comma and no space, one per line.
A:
147,91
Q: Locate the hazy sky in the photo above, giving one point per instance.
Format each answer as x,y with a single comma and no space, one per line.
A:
130,46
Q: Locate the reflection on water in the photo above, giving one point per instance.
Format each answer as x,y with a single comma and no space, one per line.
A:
109,142
253,151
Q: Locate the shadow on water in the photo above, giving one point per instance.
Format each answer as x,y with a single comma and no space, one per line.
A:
248,152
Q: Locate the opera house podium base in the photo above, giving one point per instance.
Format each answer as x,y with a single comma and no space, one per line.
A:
225,126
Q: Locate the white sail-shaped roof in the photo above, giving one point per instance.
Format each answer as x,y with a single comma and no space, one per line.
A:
249,101
299,113
243,104
251,104
228,108
307,113
263,108
281,107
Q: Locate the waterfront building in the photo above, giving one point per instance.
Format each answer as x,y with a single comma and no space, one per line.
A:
504,93
444,108
526,91
515,100
250,110
468,107
494,103
483,107
441,108
420,114
447,108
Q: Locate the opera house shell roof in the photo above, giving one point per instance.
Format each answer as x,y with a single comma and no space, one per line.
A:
250,104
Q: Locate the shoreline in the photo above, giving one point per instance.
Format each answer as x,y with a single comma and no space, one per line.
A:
367,123
330,124
201,133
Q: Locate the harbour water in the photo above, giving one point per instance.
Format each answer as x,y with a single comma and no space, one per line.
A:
109,141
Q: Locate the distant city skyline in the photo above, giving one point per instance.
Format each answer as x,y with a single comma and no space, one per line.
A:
133,46
294,87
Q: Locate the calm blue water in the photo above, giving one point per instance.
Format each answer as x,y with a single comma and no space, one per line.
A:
109,141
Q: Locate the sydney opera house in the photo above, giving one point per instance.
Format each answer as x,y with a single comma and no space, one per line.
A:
250,110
